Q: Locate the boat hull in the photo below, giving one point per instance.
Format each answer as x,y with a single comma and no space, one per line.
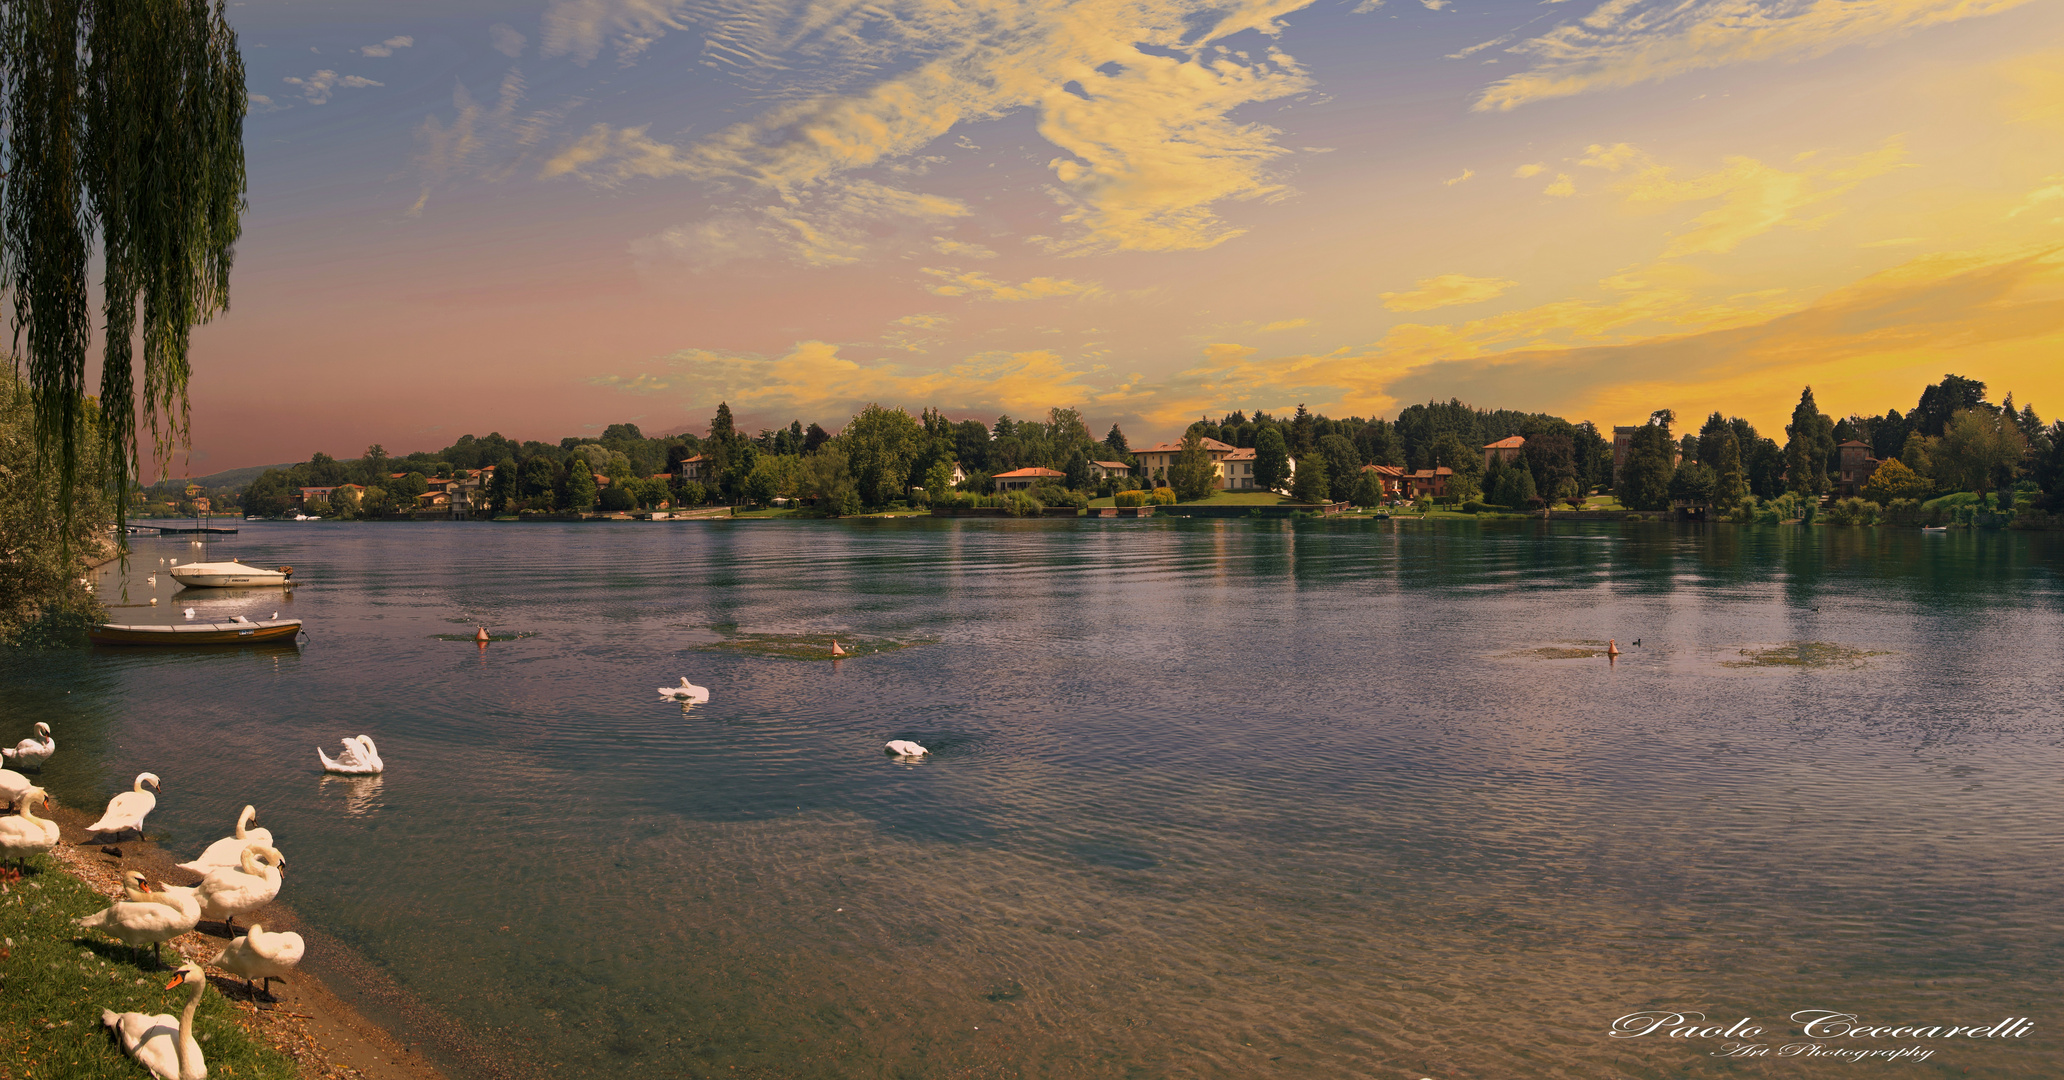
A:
226,576
271,630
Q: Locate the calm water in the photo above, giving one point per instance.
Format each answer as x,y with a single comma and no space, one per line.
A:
1206,799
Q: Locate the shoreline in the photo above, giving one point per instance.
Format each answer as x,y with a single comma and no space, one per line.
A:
310,1022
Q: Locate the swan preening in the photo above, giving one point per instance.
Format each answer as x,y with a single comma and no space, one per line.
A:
29,753
358,759
146,916
127,810
228,851
160,1043
261,955
687,692
904,748
13,786
189,613
252,884
25,834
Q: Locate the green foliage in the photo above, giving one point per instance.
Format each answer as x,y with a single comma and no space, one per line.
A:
616,500
1050,495
580,489
1696,484
1644,482
1129,498
1512,486
1368,489
1310,484
1077,470
1162,496
764,482
691,494
1020,504
1271,460
880,446
46,545
1192,475
1980,449
1809,447
1853,511
1894,481
938,479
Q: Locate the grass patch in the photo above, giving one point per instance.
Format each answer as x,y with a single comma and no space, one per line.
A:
58,977
1240,498
801,646
1803,654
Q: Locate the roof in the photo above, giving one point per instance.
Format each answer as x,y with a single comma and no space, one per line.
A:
1384,470
1510,442
1855,442
1019,473
1176,447
1107,464
1244,453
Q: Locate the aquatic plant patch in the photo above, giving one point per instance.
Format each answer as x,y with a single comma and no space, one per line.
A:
1804,654
1568,650
802,646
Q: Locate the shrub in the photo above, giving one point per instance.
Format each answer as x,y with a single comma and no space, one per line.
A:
1853,511
616,499
1049,495
1474,507
691,494
1129,498
1020,504
1903,512
1447,500
1163,496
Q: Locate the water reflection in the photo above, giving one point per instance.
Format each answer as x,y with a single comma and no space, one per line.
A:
361,793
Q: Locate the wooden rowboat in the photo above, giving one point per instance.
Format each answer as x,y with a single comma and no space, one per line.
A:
220,633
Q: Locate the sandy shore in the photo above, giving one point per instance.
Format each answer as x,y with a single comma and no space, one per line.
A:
308,1022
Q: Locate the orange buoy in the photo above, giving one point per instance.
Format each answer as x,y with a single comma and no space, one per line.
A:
481,637
1611,649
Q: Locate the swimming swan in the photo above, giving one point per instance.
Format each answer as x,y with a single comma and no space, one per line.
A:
146,916
159,1043
223,853
25,834
905,748
30,754
226,894
127,810
260,955
358,759
687,691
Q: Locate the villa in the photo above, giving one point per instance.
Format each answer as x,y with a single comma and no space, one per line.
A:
1505,450
1021,479
1234,465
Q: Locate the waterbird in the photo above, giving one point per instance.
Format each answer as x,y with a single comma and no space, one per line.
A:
238,619
687,692
271,617
189,613
14,787
159,1043
146,916
232,891
904,748
359,758
30,753
1637,643
225,852
154,601
127,810
261,955
153,579
25,834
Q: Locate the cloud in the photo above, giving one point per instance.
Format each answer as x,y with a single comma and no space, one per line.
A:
476,135
1527,172
259,103
1563,187
831,226
1752,198
1465,175
1446,290
1136,94
947,246
1285,324
387,47
1626,42
1479,47
976,285
1433,5
924,322
506,40
2040,197
319,87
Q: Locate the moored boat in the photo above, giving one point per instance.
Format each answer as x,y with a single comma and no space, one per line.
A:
220,633
222,575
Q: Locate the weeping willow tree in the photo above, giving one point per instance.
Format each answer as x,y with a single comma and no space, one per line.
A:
123,138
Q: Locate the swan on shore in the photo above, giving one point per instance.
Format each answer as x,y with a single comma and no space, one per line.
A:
29,753
687,692
261,955
13,786
127,810
252,884
160,1043
25,834
358,759
904,748
223,853
146,916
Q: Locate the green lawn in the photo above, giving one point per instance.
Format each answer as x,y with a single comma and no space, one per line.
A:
59,977
1241,498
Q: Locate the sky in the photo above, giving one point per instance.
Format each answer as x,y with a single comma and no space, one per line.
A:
542,218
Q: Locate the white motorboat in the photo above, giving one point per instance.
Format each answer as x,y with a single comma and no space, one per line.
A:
223,575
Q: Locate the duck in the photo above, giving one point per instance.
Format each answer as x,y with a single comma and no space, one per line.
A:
146,915
358,759
223,853
25,834
160,1043
686,692
30,753
252,884
261,955
127,810
13,786
904,748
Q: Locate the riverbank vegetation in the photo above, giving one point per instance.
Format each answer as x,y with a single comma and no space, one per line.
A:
47,539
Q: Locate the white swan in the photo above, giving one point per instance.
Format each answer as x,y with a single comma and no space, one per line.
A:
161,1044
259,955
189,613
223,853
687,691
148,916
127,810
904,748
25,834
13,787
30,754
226,894
358,759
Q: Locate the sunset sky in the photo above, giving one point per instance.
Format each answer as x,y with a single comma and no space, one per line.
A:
541,218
